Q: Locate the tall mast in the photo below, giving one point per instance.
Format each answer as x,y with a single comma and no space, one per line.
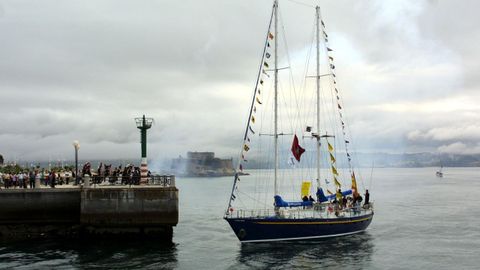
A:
317,9
276,97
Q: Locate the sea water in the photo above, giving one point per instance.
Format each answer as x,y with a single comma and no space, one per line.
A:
421,222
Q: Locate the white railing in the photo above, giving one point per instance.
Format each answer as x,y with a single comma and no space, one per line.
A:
316,211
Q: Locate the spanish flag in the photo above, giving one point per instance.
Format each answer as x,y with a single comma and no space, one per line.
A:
354,182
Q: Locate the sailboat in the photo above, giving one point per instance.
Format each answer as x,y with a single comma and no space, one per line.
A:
336,214
439,173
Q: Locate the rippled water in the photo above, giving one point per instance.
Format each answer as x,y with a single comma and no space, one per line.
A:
421,222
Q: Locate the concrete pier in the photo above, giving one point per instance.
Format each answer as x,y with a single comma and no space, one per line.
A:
106,210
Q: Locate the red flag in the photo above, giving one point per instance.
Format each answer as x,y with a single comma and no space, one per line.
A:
297,150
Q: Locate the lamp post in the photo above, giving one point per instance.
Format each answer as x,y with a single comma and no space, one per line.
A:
76,145
143,124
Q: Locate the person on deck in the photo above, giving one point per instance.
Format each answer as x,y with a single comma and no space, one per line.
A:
310,198
367,198
339,196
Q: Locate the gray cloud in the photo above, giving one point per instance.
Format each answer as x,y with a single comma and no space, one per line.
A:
84,70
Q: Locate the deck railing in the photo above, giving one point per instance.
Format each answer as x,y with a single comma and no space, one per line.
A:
316,211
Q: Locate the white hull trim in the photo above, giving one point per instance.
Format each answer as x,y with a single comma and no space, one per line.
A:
301,238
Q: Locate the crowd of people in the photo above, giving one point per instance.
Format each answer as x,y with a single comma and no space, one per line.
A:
129,175
342,202
29,179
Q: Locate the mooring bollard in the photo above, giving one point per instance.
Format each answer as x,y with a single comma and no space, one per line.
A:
86,181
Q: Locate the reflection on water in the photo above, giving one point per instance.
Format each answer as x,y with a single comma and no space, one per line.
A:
95,253
335,252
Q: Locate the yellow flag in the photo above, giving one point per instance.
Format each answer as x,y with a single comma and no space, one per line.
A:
330,147
354,182
334,171
332,158
336,182
305,188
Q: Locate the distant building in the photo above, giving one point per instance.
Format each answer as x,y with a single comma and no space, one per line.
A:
198,164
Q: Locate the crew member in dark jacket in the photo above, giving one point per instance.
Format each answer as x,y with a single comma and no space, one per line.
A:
367,197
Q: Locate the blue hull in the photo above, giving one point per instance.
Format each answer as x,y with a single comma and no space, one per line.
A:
278,229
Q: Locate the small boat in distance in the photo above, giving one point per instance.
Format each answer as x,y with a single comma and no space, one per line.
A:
272,210
439,173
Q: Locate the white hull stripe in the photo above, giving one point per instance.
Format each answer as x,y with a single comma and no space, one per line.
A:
300,238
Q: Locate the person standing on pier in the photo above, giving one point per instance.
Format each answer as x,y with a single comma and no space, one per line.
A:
52,179
32,179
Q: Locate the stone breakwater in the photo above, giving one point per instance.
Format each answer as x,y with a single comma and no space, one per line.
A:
102,211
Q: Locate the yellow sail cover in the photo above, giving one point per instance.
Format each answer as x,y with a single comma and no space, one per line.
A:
305,188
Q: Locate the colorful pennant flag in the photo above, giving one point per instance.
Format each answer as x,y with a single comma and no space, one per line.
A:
334,171
323,24
332,158
330,50
331,58
336,182
308,129
251,129
265,64
241,169
253,119
340,107
267,55
261,81
270,35
330,147
258,101
266,74
246,148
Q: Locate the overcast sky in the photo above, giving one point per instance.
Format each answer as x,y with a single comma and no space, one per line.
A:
83,70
